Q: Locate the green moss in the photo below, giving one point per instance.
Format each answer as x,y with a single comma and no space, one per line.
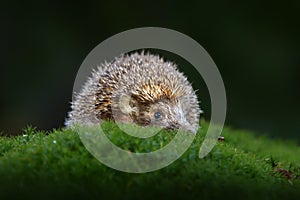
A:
56,165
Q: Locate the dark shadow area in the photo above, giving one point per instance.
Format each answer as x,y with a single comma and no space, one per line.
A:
254,44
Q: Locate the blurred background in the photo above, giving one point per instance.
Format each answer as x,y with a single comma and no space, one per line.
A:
255,45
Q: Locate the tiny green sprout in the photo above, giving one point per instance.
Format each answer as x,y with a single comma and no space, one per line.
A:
29,130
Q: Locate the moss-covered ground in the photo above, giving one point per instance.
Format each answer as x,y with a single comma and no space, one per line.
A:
56,165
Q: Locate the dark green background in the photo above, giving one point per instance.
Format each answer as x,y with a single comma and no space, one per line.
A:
255,45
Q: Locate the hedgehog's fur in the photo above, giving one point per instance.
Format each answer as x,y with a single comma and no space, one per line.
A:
138,88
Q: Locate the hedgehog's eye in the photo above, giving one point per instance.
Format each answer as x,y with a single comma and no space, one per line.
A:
158,115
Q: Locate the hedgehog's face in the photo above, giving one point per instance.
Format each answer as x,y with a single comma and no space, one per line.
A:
167,114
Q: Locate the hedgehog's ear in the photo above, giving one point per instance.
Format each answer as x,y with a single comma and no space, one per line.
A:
127,104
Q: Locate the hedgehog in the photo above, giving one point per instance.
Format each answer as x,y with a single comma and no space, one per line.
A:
140,88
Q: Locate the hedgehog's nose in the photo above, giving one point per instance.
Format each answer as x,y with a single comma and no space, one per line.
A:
186,126
182,122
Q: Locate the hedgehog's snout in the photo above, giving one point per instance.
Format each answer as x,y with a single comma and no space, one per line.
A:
175,117
187,127
181,121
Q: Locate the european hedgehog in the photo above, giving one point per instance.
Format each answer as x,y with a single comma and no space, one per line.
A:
140,88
